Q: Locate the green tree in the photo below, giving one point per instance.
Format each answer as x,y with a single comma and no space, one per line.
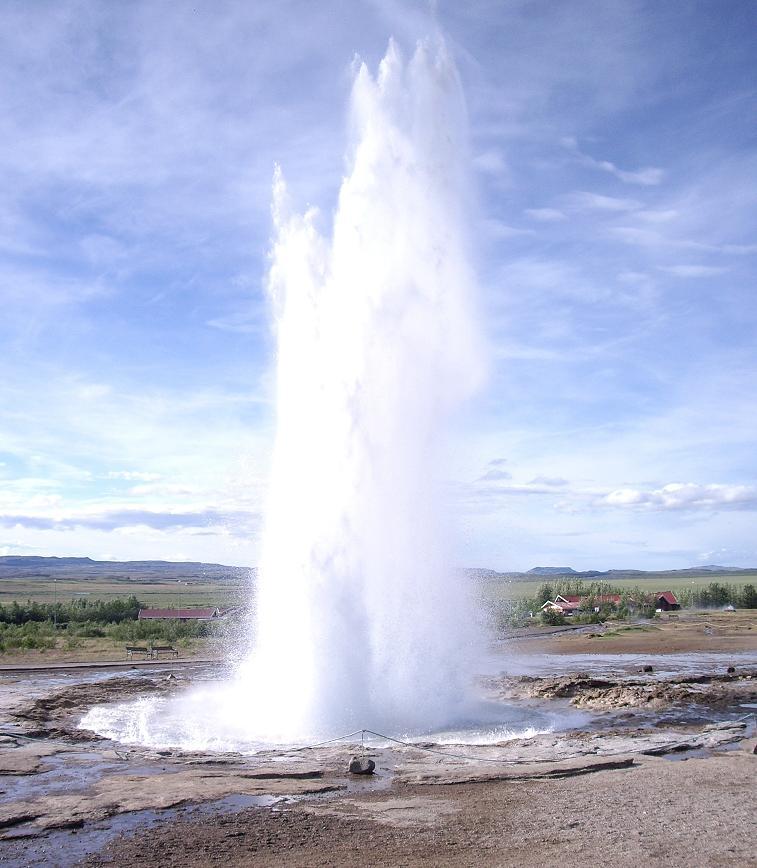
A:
748,597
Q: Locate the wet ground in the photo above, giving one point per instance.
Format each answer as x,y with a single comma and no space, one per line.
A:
67,794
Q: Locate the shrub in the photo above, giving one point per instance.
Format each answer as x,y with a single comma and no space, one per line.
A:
552,617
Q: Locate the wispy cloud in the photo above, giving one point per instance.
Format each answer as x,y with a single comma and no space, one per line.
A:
692,270
583,200
137,143
646,177
545,215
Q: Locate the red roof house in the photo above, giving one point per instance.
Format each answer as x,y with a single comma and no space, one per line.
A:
666,601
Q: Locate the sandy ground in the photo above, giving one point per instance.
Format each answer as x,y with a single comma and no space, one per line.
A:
665,774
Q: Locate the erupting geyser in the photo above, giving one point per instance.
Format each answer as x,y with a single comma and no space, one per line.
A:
360,620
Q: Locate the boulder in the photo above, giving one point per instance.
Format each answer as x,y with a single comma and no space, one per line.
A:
361,766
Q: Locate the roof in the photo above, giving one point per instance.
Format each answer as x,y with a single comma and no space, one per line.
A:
573,601
564,607
668,596
607,598
179,614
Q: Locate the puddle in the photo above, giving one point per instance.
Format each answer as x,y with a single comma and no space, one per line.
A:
663,665
66,848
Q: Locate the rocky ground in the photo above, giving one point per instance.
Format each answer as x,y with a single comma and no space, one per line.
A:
663,774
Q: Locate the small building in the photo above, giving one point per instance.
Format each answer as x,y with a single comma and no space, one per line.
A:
179,614
563,605
665,601
571,603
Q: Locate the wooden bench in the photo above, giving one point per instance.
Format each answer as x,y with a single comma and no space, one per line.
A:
131,650
157,650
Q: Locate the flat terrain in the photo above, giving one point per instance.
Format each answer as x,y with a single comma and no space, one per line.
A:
682,632
89,651
606,795
164,583
661,773
502,588
698,812
153,593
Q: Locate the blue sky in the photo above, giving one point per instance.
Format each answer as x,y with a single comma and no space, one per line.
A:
614,149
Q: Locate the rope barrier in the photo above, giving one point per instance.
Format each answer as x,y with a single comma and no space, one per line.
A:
362,733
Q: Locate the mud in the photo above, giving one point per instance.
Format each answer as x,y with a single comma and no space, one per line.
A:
462,803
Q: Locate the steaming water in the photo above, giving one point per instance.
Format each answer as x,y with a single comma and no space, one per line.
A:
359,619
359,616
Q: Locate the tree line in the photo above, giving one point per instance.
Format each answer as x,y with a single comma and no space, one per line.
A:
72,612
715,595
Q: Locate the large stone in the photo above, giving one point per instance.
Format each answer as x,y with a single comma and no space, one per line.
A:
361,766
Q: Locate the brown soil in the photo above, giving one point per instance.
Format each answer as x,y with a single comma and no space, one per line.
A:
698,812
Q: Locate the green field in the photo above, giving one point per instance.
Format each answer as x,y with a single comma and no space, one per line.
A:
154,594
174,585
499,589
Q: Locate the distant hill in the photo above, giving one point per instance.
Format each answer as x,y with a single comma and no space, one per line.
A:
33,567
663,576
144,572
481,573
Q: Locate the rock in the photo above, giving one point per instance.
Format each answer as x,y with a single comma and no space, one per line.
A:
361,766
731,670
648,669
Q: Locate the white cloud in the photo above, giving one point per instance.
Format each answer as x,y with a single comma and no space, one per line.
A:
658,216
649,176
581,201
132,475
545,215
646,177
684,496
497,229
692,270
491,163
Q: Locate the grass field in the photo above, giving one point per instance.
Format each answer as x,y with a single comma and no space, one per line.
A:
156,594
496,590
173,594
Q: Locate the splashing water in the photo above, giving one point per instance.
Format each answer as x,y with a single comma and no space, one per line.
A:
360,620
359,617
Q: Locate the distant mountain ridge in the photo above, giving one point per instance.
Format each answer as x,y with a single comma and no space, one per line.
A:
606,575
553,571
34,566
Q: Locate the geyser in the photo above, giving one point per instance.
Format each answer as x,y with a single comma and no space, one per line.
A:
360,620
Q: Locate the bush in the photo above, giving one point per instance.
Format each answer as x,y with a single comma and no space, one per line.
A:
552,617
90,631
748,597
